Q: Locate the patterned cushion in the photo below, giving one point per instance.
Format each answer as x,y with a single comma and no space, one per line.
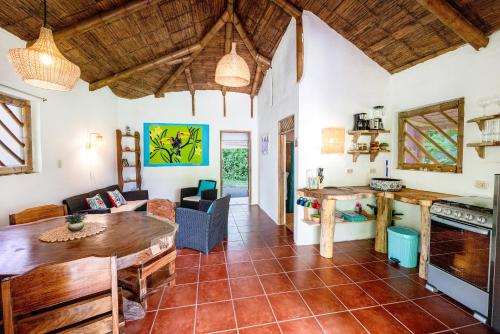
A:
205,185
96,202
116,198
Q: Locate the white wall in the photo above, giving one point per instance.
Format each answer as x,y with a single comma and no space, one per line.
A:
278,98
339,80
60,128
466,73
166,182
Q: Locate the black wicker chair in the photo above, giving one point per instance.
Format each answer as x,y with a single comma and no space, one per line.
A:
191,199
202,230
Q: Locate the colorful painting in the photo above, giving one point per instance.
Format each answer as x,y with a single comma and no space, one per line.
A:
168,144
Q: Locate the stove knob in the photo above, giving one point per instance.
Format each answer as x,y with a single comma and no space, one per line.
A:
447,212
481,219
438,209
458,214
469,216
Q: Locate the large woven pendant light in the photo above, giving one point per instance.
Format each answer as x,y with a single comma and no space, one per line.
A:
42,64
232,70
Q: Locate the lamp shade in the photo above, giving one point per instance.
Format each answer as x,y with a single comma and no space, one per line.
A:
43,65
232,70
333,140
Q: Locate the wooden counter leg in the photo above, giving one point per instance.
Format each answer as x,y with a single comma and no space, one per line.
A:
384,218
327,228
425,231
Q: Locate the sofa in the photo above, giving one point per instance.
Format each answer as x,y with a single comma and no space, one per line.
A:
136,201
191,197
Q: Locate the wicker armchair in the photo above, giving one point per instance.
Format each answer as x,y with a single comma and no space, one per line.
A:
202,230
191,199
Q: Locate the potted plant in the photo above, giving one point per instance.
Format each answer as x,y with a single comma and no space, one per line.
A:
75,222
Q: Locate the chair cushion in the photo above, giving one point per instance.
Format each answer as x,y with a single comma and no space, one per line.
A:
130,206
205,185
210,208
192,199
96,202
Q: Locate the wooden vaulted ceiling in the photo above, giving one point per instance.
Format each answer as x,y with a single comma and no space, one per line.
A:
170,36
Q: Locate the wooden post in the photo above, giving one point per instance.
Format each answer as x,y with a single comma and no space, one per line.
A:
384,218
251,106
327,228
425,235
224,101
138,178
300,47
119,157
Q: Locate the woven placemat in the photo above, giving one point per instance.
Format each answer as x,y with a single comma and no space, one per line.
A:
61,233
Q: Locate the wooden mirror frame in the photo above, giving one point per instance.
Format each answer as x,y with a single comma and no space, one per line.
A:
436,108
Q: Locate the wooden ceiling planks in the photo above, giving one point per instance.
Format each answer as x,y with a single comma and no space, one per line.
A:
397,34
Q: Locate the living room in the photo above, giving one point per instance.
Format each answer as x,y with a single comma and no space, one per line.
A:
129,150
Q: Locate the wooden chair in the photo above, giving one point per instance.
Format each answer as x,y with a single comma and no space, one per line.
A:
161,260
75,297
38,213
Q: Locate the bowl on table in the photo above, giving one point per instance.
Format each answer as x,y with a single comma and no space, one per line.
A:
386,184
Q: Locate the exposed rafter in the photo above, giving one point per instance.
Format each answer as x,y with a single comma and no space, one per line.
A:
260,59
224,103
450,17
255,87
205,40
189,80
229,27
172,58
289,8
103,18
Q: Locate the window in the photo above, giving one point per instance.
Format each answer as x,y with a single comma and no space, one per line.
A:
431,138
15,136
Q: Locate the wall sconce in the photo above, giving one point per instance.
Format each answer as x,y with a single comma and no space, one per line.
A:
94,139
333,140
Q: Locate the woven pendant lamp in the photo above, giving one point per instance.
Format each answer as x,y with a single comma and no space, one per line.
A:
232,70
42,64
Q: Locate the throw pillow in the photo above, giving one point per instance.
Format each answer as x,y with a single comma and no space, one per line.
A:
116,198
96,202
205,185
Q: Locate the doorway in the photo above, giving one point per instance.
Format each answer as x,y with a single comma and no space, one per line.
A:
286,172
236,166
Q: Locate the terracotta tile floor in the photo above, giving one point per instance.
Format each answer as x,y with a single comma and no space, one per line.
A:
261,282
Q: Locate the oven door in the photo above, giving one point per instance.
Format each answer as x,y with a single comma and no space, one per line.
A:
461,250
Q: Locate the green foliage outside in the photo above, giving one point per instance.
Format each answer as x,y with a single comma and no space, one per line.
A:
444,143
235,166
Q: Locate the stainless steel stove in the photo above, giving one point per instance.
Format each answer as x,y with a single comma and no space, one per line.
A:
461,251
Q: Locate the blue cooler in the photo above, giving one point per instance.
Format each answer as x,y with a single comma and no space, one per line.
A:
403,246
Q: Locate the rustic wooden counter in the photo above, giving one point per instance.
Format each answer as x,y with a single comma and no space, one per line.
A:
329,196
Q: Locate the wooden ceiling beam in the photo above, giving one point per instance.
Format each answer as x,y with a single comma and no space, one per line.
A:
204,41
189,80
171,58
259,59
102,18
451,18
288,7
229,27
255,87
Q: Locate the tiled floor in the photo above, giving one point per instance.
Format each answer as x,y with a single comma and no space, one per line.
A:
260,282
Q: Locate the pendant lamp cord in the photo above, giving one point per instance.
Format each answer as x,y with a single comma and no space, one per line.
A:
45,13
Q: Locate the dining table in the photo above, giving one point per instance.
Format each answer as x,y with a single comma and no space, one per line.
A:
133,237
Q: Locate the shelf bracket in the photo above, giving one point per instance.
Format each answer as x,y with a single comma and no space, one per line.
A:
355,156
480,150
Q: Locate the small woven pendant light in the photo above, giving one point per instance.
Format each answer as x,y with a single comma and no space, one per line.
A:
232,70
42,64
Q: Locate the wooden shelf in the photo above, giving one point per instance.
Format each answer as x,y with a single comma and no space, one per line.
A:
136,163
480,147
372,133
482,120
373,154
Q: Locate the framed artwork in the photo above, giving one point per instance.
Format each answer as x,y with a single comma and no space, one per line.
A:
168,144
264,141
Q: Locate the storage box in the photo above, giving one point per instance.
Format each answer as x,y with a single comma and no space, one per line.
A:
403,246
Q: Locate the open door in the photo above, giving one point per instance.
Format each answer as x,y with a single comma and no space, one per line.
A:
235,171
286,173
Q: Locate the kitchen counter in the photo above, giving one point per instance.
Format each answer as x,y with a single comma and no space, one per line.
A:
329,196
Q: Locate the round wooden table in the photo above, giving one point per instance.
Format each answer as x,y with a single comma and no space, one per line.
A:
133,237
